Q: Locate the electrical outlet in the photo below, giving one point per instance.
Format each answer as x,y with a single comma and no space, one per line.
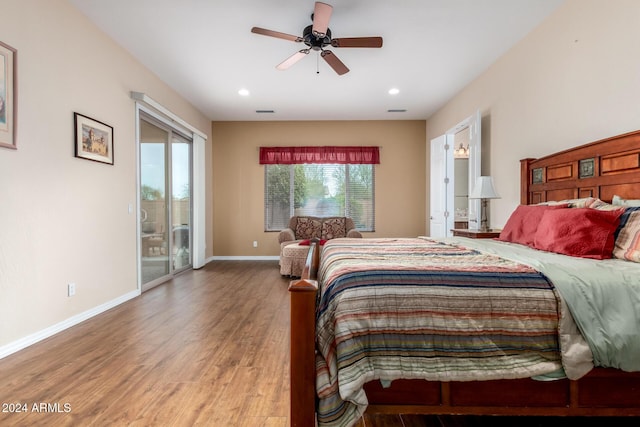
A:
255,243
71,289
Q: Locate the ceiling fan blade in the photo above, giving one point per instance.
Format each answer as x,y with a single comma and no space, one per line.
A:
334,62
292,59
357,42
264,32
321,16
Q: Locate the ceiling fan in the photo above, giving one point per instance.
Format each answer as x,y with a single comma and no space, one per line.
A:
317,37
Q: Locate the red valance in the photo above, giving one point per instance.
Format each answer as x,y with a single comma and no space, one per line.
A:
316,155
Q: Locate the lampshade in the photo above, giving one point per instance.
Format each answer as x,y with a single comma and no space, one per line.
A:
484,189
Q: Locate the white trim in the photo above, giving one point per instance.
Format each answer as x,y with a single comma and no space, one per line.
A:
25,342
244,258
143,98
137,203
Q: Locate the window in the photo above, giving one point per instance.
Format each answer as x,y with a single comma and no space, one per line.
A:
319,181
319,190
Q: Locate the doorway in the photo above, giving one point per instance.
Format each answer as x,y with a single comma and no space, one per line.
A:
455,162
165,201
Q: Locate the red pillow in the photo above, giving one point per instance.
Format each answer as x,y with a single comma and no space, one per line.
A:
580,232
522,224
307,242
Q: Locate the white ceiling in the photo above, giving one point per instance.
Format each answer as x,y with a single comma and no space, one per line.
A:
205,51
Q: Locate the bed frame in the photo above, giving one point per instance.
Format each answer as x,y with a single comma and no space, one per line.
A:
599,169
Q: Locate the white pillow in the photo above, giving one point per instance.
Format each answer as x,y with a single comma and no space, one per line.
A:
619,201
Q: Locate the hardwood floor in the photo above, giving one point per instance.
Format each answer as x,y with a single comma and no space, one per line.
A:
209,348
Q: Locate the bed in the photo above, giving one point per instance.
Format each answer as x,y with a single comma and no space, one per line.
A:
536,371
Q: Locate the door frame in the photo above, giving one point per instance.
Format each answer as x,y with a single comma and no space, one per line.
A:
474,123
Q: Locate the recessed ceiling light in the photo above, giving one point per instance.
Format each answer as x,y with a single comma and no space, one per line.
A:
243,92
394,91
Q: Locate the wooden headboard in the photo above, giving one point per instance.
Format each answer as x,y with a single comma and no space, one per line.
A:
600,169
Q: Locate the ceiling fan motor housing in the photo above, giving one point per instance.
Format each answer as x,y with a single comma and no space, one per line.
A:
314,41
319,39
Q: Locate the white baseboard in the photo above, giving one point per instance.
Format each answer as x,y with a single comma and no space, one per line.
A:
25,342
244,258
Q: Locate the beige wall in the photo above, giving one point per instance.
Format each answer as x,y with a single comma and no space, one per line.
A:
238,179
573,80
64,219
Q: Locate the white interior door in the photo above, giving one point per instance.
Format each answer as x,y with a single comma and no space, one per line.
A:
440,220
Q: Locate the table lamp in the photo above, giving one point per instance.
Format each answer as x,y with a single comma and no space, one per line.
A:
484,190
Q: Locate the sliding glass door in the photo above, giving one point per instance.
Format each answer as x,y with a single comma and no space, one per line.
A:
165,201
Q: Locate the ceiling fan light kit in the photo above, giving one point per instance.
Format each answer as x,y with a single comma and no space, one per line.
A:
317,37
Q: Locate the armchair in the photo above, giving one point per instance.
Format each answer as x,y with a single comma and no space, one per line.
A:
309,227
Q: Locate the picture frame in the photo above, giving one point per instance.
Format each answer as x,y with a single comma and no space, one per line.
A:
93,139
8,98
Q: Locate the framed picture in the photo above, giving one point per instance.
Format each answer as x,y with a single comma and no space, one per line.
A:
8,96
93,139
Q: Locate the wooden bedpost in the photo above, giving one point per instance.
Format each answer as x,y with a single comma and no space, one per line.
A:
302,362
525,180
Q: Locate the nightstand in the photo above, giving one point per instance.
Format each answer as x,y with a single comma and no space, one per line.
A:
476,234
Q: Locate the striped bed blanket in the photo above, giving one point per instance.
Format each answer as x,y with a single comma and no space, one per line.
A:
417,308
